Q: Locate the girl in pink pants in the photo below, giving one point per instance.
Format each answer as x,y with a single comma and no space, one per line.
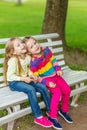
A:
46,68
61,90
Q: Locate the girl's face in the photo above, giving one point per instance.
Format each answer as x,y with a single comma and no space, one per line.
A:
33,47
19,47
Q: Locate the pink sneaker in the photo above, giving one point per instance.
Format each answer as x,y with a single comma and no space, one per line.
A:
43,121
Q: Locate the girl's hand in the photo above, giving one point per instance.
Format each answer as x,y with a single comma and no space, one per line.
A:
59,73
52,85
26,79
34,78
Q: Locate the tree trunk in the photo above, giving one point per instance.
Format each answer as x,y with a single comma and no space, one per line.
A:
55,17
19,2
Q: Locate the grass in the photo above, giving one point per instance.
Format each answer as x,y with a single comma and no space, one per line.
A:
76,25
28,19
21,20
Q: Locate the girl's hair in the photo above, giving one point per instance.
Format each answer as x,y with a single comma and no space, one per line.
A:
27,38
9,49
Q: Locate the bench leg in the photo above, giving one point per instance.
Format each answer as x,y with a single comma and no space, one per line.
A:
11,110
75,98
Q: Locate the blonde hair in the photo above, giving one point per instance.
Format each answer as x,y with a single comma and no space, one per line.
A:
27,38
9,49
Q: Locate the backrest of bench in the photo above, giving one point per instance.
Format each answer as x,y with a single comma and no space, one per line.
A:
49,40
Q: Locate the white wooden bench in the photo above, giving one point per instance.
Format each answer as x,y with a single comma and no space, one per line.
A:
11,101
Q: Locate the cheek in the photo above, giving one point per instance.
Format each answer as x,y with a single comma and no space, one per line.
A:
29,51
33,51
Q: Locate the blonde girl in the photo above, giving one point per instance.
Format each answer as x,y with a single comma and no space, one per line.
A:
20,78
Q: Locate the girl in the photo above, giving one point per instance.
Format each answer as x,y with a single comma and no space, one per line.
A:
45,66
19,78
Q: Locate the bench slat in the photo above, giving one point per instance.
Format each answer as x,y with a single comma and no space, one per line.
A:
2,51
57,50
38,37
59,57
53,43
14,99
43,36
1,70
61,63
1,60
1,78
18,114
75,79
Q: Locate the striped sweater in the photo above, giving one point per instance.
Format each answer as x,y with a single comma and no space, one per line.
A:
44,66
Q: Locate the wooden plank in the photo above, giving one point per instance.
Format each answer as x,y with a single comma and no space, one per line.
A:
3,40
2,60
70,73
2,85
79,90
1,78
2,51
45,36
74,80
59,57
53,43
1,70
57,50
14,98
61,63
37,37
18,114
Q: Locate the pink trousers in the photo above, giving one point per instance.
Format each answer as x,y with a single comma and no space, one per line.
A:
62,90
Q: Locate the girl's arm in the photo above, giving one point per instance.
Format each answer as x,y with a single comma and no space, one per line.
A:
12,70
26,79
56,65
54,61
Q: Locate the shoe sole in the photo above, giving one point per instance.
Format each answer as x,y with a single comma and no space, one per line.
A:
64,117
43,125
57,128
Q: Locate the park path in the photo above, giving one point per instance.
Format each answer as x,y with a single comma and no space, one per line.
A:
79,116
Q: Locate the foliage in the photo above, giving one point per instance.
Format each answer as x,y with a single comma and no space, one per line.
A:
21,20
27,19
76,25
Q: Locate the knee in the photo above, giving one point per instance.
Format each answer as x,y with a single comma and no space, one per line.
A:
30,90
57,93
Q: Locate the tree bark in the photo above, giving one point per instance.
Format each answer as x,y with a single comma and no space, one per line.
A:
55,17
19,2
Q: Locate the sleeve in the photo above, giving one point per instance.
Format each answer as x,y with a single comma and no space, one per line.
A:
12,70
34,68
43,81
54,61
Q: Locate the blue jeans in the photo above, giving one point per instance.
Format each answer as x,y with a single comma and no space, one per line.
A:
30,89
